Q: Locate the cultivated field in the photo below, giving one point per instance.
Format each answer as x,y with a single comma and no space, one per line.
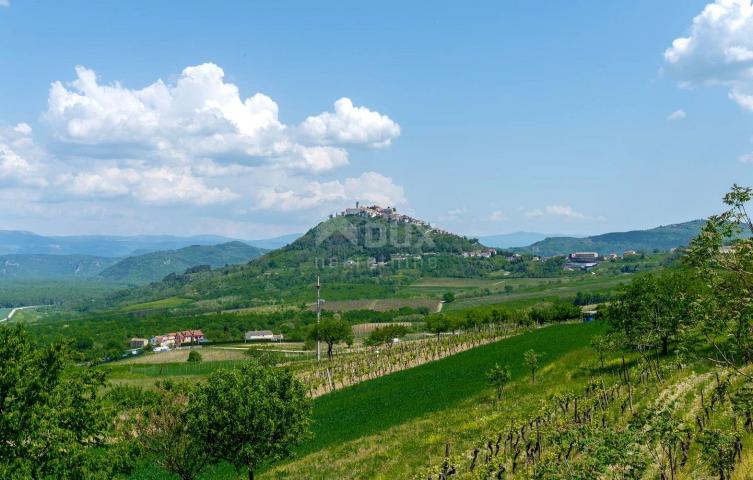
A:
381,305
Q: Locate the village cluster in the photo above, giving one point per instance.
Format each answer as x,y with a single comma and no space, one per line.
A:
589,260
190,338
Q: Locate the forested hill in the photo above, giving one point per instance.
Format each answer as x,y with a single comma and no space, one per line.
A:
29,266
341,250
155,266
661,238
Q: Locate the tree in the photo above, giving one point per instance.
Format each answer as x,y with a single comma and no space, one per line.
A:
601,344
438,323
651,310
249,415
194,356
53,423
531,360
332,331
162,430
448,297
722,309
385,334
499,377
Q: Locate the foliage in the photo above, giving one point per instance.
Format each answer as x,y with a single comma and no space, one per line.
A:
194,356
499,377
332,331
249,416
385,334
53,421
531,361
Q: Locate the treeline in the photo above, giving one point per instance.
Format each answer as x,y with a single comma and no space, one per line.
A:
57,423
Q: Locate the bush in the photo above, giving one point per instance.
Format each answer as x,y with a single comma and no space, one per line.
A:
194,356
448,297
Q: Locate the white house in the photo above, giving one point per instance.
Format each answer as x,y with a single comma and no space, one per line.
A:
262,336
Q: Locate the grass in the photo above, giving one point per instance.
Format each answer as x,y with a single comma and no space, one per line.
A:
376,405
381,304
392,426
169,302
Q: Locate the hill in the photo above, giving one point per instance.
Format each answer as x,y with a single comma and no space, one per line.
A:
154,266
356,256
19,242
31,266
661,238
516,239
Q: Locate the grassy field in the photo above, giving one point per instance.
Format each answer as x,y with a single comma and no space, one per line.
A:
170,302
370,430
381,304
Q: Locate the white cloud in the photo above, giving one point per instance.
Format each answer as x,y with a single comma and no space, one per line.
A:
563,211
747,158
194,145
556,210
717,51
351,125
497,216
677,115
4,3
158,186
202,115
369,187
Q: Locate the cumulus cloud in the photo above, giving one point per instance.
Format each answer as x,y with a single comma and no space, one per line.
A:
158,186
369,187
351,125
677,115
718,50
193,144
497,216
203,115
556,210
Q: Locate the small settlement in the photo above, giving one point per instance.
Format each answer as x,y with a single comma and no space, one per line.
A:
167,341
589,260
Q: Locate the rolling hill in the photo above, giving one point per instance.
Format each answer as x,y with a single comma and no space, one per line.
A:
20,242
154,266
661,238
347,252
516,239
20,267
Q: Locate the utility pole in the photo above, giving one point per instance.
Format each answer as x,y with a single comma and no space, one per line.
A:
318,316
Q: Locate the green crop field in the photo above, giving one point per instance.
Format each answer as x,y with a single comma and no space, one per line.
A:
378,404
169,302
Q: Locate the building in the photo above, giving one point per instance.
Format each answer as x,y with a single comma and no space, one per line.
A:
139,342
584,257
176,339
628,253
262,336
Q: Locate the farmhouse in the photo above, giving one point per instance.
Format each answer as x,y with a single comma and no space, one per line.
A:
176,339
262,336
584,257
139,342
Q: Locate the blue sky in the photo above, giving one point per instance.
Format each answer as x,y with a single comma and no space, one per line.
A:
489,118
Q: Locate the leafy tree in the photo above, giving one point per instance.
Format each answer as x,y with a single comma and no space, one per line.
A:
448,297
53,423
194,356
652,309
601,344
723,309
385,334
332,331
249,415
499,377
161,430
531,361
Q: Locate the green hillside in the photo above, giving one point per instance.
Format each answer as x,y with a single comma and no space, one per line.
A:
351,254
32,266
155,266
661,238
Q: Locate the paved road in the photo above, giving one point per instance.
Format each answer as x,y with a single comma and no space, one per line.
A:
15,310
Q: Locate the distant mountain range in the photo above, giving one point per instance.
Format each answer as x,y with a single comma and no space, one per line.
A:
19,242
517,239
137,269
662,238
157,265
